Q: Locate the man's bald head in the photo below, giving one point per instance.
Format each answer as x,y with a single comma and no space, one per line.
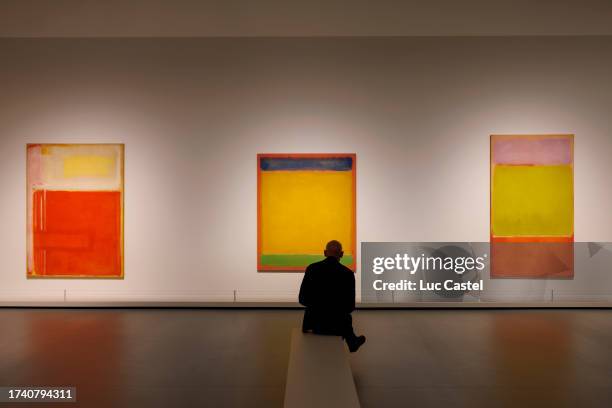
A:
334,249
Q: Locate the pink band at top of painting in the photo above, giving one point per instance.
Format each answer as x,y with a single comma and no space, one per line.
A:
552,150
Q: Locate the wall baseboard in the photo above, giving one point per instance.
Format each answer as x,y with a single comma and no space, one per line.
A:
294,305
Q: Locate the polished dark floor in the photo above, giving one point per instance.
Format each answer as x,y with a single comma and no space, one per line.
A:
238,358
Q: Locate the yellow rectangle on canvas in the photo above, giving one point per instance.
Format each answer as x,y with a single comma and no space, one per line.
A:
89,166
532,200
303,210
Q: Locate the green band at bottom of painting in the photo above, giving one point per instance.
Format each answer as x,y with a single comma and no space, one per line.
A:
280,260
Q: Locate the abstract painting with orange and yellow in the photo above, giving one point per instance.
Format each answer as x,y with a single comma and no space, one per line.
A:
75,210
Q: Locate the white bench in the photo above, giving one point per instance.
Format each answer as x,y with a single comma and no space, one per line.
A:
319,373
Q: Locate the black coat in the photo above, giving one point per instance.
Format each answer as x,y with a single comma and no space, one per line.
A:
328,292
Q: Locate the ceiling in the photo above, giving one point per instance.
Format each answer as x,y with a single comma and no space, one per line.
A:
205,18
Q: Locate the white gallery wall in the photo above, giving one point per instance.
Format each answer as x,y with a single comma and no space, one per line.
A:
193,114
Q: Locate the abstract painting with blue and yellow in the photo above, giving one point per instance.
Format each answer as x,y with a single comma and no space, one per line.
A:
304,201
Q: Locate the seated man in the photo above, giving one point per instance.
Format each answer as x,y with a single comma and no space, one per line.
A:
328,292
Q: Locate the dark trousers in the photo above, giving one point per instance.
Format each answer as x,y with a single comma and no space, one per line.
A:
329,323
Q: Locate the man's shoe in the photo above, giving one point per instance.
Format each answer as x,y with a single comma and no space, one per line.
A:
356,343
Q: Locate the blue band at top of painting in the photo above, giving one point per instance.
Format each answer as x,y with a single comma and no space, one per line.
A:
306,163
